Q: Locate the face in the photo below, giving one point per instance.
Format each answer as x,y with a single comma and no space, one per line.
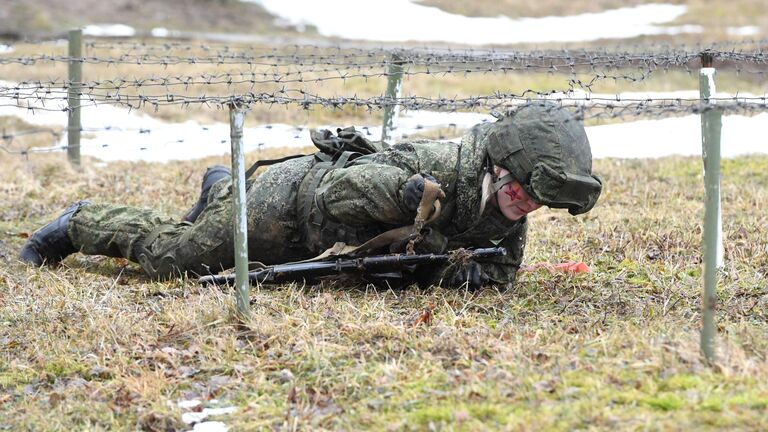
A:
514,202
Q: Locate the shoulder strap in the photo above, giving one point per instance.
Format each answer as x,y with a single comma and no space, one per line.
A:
428,210
266,162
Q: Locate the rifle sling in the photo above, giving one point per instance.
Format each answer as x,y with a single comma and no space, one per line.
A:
428,210
267,162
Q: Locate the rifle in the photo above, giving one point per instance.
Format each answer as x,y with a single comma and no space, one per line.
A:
381,266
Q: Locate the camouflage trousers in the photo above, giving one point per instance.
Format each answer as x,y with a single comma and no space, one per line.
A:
166,248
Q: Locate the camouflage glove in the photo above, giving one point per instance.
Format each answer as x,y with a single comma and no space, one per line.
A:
468,273
414,190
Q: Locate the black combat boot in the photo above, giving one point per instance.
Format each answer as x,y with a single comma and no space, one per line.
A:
51,244
212,175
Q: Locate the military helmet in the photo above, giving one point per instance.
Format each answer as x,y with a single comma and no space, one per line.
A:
545,148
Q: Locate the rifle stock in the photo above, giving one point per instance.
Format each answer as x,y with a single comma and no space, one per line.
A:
375,264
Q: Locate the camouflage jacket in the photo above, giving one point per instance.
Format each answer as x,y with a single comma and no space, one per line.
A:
364,198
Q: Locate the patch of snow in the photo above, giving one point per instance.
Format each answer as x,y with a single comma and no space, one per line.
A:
677,136
211,426
743,31
405,20
197,417
5,49
160,32
187,404
107,30
676,30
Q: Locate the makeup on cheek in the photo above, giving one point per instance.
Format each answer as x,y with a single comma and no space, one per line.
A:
512,193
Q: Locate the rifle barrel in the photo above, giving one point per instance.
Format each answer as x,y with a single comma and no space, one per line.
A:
293,272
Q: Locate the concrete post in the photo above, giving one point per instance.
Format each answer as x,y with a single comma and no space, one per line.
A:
711,125
73,96
394,90
242,288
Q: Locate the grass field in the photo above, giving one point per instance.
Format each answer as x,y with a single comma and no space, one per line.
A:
94,345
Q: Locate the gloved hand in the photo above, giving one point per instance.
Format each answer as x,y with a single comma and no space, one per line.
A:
414,190
469,273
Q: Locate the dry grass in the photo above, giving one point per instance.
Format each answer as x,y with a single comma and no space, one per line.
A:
95,345
28,20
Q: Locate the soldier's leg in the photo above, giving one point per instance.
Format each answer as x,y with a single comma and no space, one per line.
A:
162,247
207,245
165,248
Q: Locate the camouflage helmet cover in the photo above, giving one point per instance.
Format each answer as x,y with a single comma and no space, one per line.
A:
546,149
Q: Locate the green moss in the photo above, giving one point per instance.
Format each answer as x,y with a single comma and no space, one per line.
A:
429,414
62,366
16,377
749,400
487,412
714,404
663,402
681,382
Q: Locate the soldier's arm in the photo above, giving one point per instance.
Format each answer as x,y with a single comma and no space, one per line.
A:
499,270
363,194
502,269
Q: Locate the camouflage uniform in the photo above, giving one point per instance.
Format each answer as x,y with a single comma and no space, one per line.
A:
298,208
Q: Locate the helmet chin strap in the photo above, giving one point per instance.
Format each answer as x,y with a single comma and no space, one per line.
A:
501,182
497,183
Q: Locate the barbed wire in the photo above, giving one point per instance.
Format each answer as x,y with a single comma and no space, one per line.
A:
285,44
565,58
285,72
585,68
252,79
598,109
499,100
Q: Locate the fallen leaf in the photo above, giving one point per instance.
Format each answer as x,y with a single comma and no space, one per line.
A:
426,315
565,267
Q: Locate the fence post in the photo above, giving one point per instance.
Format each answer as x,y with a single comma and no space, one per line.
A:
242,288
394,90
711,125
73,96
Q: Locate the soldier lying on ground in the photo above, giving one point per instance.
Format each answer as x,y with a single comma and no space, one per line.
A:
501,171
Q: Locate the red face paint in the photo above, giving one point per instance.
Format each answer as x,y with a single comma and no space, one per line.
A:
512,192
